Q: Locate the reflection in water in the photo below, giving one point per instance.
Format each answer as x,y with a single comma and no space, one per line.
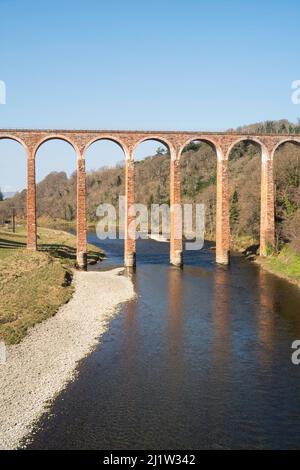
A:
221,349
175,351
200,359
266,327
130,349
175,300
221,321
283,299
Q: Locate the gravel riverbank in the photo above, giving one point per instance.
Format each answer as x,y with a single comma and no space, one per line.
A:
43,363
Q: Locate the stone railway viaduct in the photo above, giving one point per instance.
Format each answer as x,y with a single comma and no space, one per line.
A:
222,143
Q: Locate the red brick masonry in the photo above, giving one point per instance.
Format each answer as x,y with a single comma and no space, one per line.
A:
175,141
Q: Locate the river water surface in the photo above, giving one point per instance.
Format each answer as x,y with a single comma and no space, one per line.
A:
201,359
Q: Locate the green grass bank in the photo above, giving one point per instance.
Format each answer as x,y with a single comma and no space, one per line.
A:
33,285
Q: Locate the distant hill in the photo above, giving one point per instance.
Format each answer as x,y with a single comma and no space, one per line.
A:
283,126
7,195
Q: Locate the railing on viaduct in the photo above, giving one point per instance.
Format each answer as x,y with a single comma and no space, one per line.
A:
80,140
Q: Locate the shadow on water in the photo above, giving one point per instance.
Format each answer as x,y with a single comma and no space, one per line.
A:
201,359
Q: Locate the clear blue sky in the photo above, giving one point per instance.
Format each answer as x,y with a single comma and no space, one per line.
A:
192,64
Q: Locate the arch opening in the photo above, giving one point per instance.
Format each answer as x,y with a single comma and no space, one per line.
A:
198,179
107,144
152,193
152,168
13,190
287,195
56,178
244,170
55,138
151,147
105,183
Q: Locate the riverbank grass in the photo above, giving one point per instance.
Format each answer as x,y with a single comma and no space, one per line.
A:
285,264
33,285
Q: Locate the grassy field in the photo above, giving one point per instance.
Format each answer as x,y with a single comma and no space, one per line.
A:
33,285
286,264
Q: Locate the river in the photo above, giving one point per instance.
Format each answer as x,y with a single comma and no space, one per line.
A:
200,360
